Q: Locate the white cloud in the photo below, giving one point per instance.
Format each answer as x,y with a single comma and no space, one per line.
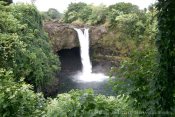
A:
61,5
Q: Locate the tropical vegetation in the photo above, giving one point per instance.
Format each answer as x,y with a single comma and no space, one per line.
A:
142,40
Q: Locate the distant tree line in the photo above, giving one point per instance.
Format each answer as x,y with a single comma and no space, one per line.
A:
52,14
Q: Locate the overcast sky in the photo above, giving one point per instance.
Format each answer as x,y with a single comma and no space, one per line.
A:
61,5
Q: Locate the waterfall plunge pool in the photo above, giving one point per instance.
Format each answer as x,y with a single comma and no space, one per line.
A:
70,75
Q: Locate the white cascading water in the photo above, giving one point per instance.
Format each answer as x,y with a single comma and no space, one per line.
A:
84,45
86,75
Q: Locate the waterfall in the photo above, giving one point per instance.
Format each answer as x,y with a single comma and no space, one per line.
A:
86,74
84,48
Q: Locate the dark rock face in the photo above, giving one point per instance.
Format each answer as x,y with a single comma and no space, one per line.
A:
70,60
63,36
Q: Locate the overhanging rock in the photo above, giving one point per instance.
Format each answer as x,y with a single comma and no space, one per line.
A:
63,36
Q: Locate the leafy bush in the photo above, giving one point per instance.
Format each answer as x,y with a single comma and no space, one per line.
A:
24,45
77,11
17,99
130,26
98,15
135,75
51,14
86,104
42,63
120,9
10,43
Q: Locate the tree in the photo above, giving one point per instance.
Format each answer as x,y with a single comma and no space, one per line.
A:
165,82
98,15
120,9
39,62
77,11
54,14
136,74
51,14
126,8
16,97
24,46
130,25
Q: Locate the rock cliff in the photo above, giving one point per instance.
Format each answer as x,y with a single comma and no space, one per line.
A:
63,36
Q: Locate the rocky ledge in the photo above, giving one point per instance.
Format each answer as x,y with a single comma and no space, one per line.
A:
63,36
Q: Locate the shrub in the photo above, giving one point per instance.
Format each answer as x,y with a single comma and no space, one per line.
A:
24,45
79,103
135,75
77,11
17,99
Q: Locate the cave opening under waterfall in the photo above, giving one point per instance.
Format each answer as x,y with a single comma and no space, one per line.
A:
70,60
71,64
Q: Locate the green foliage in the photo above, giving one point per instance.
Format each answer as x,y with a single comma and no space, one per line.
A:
51,14
86,104
10,43
25,54
140,82
130,30
8,1
151,25
98,15
94,15
120,9
164,83
54,14
17,99
40,56
131,26
125,8
24,46
134,77
136,74
77,11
